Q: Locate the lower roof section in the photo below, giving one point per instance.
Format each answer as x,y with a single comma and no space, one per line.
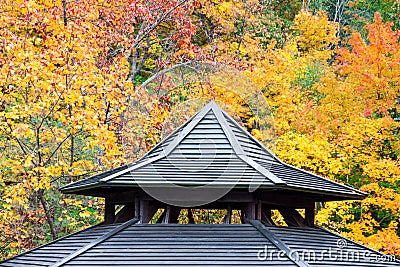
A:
132,244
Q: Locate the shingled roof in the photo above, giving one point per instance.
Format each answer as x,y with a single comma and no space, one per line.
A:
132,244
212,148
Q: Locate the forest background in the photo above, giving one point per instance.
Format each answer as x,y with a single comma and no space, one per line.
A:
330,71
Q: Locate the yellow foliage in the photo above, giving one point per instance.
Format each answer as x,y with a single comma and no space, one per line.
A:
316,32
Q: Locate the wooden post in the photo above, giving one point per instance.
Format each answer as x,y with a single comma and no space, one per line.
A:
167,213
309,218
190,216
137,207
109,211
259,210
251,211
228,215
144,211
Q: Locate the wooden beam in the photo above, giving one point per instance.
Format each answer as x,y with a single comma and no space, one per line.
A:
170,215
240,197
161,218
153,208
278,243
126,213
292,217
232,197
109,211
266,216
266,219
95,242
283,200
228,216
123,197
166,214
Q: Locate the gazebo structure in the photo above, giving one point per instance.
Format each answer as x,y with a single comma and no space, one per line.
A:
210,162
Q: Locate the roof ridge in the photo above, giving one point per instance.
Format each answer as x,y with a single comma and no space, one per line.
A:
193,122
186,128
277,242
237,147
104,173
252,137
95,242
355,190
52,242
279,160
268,174
133,167
225,128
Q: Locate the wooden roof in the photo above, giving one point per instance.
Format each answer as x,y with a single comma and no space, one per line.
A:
133,244
212,149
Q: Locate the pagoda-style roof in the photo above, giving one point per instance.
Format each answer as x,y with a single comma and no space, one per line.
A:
212,149
253,244
209,149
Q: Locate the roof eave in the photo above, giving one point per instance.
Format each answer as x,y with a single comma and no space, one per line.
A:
325,195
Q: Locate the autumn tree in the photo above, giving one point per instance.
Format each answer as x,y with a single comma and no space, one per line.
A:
367,139
68,71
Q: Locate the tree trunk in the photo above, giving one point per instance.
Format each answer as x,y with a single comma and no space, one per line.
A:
49,219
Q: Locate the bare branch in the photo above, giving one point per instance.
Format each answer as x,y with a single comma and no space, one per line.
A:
64,3
152,78
59,145
144,57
